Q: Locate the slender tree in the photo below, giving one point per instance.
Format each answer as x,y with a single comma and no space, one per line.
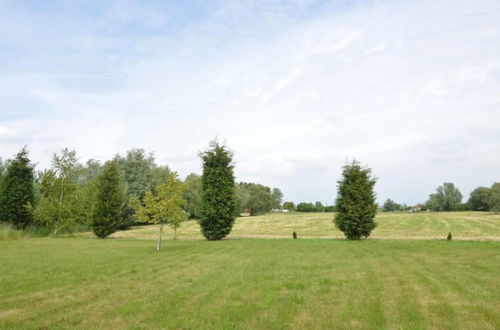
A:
17,191
218,193
165,205
109,202
356,207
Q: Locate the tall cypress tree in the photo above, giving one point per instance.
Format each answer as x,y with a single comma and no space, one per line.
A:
356,207
218,197
109,203
17,191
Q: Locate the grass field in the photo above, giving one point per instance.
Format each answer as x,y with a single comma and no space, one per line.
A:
82,282
462,225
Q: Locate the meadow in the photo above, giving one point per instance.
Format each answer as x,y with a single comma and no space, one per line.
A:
391,225
406,277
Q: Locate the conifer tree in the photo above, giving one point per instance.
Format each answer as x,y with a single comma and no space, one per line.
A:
109,202
356,207
17,191
217,211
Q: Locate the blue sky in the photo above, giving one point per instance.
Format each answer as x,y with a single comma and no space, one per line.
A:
296,88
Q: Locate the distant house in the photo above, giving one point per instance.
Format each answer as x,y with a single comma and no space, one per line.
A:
417,208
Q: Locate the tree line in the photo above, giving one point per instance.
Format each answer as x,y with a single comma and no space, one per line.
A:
73,196
449,198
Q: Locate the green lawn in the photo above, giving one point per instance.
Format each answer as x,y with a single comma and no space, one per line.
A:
462,225
389,283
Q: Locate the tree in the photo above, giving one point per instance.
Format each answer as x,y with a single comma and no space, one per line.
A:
306,207
59,203
495,197
109,201
356,207
192,195
17,191
318,207
290,206
218,207
259,200
390,206
277,198
446,198
165,205
479,199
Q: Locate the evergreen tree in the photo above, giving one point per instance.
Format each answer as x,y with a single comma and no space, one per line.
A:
356,207
17,191
218,193
109,202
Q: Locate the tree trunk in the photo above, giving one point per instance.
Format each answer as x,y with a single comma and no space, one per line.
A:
60,205
158,246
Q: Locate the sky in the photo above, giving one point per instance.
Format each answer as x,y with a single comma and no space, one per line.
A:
295,88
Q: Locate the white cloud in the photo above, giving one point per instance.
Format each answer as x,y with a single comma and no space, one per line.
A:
411,89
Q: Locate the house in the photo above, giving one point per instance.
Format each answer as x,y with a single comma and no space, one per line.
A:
417,208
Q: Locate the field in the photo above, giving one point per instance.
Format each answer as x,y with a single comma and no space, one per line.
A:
397,281
462,225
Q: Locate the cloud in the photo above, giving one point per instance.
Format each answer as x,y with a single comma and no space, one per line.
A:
296,88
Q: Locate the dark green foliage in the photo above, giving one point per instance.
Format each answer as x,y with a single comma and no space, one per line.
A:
217,211
306,207
479,199
17,191
356,207
109,202
449,237
495,197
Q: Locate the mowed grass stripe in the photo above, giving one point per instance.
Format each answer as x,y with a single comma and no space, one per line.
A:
462,225
118,283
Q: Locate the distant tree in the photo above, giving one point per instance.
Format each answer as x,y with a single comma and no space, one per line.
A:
109,202
329,208
495,197
192,195
137,171
218,205
356,207
165,205
17,191
306,207
446,198
290,206
318,207
479,199
390,205
260,200
277,197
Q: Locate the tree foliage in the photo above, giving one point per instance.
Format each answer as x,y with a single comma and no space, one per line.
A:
290,206
192,195
110,199
356,207
217,211
17,191
59,199
391,206
480,199
164,205
277,198
447,198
